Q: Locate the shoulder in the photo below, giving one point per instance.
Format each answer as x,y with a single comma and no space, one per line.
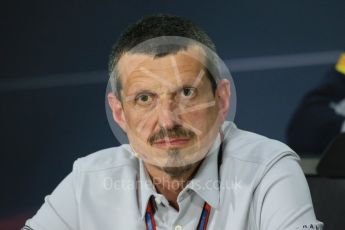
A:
253,148
254,160
107,159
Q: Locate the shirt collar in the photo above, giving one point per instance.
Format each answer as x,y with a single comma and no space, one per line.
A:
204,183
147,189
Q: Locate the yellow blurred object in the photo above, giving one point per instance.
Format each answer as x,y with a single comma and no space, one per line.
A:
340,66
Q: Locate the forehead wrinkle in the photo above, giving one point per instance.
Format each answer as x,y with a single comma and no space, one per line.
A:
167,63
149,79
154,80
172,69
186,69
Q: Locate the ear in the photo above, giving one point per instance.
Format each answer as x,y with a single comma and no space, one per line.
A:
223,98
117,111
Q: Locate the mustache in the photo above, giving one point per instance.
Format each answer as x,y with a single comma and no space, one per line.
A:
175,132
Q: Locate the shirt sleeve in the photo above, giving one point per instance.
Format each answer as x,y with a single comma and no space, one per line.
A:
283,198
59,211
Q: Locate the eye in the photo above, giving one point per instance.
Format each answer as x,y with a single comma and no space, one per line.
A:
188,92
144,99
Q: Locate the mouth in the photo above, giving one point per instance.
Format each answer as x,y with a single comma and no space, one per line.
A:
171,142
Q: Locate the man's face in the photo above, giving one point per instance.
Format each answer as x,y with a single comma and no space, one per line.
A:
168,110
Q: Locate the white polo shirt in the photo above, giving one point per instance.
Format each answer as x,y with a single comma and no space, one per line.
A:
262,187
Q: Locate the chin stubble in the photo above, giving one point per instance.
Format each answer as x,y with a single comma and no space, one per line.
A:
174,158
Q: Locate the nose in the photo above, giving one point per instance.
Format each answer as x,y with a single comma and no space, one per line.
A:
168,117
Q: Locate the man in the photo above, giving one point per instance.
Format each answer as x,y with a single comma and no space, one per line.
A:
308,133
184,167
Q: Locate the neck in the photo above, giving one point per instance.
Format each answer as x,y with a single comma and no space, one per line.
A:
171,181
